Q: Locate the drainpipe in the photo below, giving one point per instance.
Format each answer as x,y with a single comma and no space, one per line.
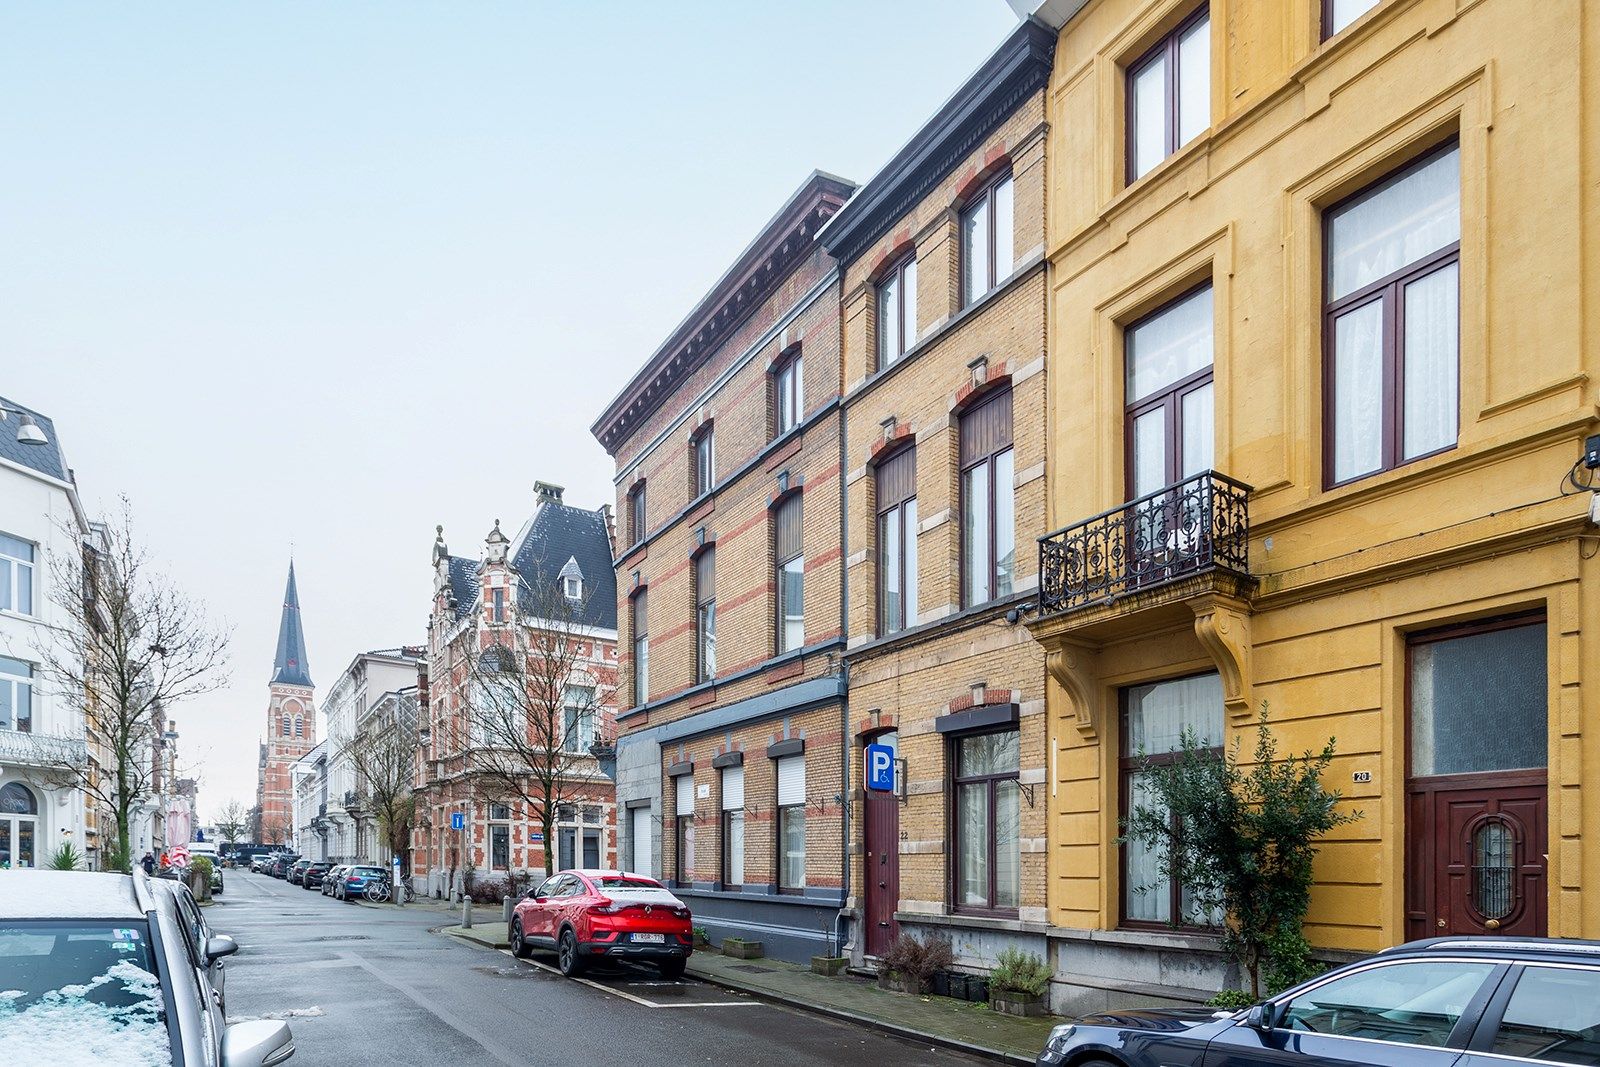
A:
841,918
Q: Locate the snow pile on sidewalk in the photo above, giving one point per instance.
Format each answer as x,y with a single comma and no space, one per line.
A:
70,1026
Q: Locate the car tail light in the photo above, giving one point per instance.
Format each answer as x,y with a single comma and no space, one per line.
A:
605,906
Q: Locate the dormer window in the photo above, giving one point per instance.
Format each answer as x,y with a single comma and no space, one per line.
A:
573,587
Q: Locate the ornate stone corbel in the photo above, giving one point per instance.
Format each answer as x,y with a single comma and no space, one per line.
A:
1223,626
1076,669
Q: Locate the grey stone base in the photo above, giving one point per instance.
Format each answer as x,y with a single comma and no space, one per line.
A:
791,928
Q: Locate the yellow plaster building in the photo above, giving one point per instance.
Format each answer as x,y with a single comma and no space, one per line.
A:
1319,370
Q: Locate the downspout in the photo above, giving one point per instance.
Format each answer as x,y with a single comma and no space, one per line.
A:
842,917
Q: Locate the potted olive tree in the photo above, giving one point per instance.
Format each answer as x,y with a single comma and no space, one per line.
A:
1018,984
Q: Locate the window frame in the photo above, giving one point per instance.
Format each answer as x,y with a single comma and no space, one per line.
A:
636,512
1166,48
705,614
639,623
780,812
989,460
1326,25
985,196
702,461
682,838
501,831
780,564
788,392
1170,397
905,339
1389,293
497,605
895,511
19,568
578,712
992,781
17,682
726,850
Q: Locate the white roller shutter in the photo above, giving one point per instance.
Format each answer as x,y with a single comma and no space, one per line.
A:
685,795
641,840
732,788
791,780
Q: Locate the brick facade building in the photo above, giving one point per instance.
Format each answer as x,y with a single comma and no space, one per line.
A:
291,725
730,754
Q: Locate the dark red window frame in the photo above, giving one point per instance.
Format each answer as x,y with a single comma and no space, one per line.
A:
1170,398
957,779
1166,48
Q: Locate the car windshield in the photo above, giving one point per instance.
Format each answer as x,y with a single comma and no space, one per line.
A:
77,992
616,882
368,871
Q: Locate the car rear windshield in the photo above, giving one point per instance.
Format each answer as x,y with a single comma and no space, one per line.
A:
614,882
368,871
75,992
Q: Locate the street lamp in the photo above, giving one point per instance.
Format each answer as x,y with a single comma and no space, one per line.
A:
28,431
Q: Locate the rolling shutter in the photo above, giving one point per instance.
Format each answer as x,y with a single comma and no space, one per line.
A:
685,794
732,788
791,780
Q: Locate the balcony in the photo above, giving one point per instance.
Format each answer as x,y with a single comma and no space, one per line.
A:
42,750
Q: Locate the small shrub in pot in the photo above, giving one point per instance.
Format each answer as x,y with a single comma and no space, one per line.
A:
911,962
1018,983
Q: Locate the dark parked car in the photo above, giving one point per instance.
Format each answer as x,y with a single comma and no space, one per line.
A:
311,877
280,866
297,871
331,879
1445,1002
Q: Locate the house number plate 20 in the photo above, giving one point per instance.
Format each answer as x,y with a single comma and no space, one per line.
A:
1361,777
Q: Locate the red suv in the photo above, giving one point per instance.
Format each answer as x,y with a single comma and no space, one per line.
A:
607,915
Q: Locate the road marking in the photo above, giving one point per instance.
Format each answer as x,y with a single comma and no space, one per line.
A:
625,995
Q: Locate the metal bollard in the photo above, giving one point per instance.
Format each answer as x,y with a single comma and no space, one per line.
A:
505,910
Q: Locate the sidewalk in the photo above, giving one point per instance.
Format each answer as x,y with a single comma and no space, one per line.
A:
941,1021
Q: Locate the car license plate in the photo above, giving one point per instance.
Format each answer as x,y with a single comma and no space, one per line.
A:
650,939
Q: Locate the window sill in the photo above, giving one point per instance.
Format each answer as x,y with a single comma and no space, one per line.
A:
988,921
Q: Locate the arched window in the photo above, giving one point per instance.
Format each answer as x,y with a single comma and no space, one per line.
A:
286,725
16,799
299,726
19,826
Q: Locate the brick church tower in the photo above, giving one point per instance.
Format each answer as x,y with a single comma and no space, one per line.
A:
291,723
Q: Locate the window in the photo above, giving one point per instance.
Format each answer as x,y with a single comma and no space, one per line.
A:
732,827
703,453
791,823
1553,1015
897,541
500,847
988,519
591,849
1154,718
641,650
705,615
987,821
987,239
791,574
639,831
1169,94
1337,14
16,695
1170,426
1466,677
498,610
683,868
500,811
572,588
897,311
16,575
1415,1003
567,857
577,732
299,726
19,826
1391,324
636,514
788,393
288,725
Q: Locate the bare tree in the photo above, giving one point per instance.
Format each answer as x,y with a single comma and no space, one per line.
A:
232,821
127,646
530,703
383,752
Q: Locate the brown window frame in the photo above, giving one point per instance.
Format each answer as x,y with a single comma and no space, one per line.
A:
1389,292
780,561
705,612
636,512
1166,48
891,507
984,195
1328,32
988,459
788,393
953,757
903,340
639,608
1170,398
702,461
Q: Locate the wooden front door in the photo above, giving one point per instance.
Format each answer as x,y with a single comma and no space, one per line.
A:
1481,866
882,874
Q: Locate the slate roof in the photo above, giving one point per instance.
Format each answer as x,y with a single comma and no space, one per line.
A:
559,533
290,666
46,458
464,584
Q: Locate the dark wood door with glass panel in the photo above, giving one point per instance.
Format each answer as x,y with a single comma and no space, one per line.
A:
883,863
1477,800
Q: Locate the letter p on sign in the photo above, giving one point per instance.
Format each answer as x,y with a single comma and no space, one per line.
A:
880,768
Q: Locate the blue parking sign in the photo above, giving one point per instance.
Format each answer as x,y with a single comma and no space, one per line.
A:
880,768
458,820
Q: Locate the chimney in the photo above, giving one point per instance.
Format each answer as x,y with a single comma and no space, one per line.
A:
547,493
611,527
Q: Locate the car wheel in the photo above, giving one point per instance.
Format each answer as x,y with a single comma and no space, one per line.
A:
567,957
519,948
671,970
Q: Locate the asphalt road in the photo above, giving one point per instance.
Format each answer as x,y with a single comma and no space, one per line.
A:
373,985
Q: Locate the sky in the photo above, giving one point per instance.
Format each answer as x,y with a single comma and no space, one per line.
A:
320,276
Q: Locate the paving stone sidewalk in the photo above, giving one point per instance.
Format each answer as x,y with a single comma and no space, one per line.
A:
939,1020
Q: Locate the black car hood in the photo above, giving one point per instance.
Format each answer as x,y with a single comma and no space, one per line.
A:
1167,1019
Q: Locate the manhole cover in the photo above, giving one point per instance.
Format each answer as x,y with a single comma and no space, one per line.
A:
751,968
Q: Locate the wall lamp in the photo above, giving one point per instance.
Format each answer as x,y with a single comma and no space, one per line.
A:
28,431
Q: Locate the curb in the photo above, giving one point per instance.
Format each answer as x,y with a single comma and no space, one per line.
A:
871,1022
461,935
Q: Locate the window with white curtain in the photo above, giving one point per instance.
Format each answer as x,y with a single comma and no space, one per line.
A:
1392,320
988,821
1154,720
732,827
1169,94
791,851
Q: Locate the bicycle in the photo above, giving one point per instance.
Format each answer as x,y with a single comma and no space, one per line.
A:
377,891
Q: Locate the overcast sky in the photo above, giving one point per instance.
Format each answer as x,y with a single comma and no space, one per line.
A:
328,274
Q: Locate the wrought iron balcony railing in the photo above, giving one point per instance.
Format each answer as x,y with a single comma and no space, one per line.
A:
42,750
1193,526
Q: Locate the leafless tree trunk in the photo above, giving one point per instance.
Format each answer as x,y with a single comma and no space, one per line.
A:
383,752
127,647
232,822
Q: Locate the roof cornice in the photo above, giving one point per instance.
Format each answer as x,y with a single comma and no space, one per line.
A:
1017,69
760,268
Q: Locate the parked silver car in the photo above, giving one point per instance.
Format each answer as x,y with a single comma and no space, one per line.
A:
122,967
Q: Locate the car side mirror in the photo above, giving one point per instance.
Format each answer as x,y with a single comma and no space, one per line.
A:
1259,1017
256,1044
219,946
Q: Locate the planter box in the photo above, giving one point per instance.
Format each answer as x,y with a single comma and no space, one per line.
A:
1026,1005
977,989
896,983
956,984
941,984
829,965
741,949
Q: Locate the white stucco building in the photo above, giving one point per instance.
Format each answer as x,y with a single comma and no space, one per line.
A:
352,830
41,518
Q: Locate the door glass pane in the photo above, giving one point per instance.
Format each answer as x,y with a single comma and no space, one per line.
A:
1194,81
1197,428
889,567
1149,451
1493,846
1148,113
908,301
1397,223
1004,252
1553,1015
972,841
1159,713
888,320
1146,890
1412,1003
1005,524
1478,703
1007,844
1431,317
1358,391
975,249
25,834
1169,346
975,534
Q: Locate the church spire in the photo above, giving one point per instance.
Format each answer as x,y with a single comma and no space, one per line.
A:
290,667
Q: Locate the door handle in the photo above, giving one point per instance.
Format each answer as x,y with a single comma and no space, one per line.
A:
1493,924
